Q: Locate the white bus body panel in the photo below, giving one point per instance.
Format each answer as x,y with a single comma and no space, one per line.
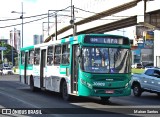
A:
36,76
53,78
22,76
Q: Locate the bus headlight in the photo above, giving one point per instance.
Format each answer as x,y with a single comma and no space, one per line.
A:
83,82
89,85
126,85
86,83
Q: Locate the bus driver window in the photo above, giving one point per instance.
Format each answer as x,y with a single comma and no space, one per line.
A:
98,57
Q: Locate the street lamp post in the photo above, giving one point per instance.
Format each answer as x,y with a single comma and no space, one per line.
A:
21,46
21,17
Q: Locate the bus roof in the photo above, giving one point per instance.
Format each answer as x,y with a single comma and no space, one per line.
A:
27,48
78,38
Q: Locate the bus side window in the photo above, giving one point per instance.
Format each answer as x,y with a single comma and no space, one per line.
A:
22,58
57,55
50,55
65,54
98,57
31,56
86,58
37,56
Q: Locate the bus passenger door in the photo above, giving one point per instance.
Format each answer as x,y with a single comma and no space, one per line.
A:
42,67
25,68
74,70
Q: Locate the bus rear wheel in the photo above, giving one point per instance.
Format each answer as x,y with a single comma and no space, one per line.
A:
65,94
32,87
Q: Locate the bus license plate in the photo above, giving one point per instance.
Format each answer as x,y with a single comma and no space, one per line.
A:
110,91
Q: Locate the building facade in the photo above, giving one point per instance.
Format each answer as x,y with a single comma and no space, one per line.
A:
15,39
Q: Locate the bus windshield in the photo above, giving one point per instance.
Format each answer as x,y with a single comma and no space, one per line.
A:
105,60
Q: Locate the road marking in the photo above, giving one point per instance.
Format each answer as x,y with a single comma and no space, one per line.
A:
4,93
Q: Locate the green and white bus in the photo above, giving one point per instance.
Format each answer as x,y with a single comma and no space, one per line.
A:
84,65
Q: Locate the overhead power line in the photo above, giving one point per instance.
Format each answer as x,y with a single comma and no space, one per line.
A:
47,17
24,17
51,15
34,15
23,23
85,10
98,13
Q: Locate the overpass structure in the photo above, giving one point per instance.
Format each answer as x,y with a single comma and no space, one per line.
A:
123,23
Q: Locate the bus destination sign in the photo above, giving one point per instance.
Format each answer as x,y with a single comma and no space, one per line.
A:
103,40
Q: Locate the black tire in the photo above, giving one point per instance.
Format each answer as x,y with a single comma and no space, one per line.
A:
64,92
137,91
105,99
158,94
32,84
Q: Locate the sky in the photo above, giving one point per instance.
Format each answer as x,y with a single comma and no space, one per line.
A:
30,8
38,7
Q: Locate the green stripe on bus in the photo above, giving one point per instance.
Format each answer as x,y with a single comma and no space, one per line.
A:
29,67
27,48
63,41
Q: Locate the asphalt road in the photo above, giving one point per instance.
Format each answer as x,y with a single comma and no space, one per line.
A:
15,95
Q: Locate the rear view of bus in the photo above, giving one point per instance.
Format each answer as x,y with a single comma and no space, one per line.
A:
104,66
26,64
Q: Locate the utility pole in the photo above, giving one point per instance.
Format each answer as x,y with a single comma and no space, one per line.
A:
145,7
55,11
72,20
22,24
43,28
74,26
12,35
55,26
55,22
2,54
48,22
71,11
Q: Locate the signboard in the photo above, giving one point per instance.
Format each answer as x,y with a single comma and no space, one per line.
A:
106,40
149,35
3,48
149,44
140,31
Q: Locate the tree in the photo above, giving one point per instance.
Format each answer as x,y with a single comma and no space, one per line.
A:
8,53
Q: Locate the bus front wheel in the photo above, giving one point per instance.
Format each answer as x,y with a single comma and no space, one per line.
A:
65,94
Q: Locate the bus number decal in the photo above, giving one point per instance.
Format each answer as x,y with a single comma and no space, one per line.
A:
98,84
